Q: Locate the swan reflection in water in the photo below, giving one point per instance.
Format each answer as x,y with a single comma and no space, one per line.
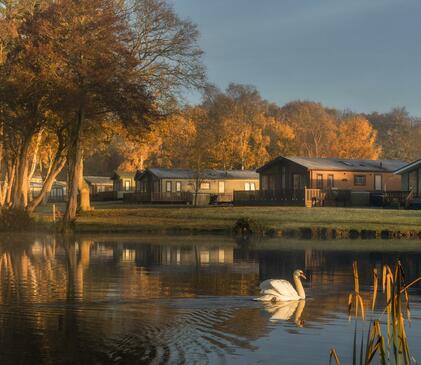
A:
283,311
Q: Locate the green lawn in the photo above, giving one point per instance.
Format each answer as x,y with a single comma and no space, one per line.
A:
118,217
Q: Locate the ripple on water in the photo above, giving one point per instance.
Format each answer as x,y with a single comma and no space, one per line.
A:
188,330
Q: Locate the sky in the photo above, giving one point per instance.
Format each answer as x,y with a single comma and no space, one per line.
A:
362,55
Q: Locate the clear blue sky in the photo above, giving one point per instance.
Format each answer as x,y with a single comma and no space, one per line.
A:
363,55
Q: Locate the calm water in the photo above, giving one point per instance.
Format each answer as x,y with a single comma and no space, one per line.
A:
157,300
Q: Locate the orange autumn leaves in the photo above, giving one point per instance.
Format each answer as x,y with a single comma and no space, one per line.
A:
238,129
356,139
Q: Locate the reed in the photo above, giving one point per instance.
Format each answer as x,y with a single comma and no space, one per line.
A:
390,348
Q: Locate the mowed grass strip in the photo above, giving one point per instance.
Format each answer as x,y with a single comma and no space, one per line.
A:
121,217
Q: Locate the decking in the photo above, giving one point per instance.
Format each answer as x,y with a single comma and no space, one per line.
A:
318,197
159,197
270,197
181,197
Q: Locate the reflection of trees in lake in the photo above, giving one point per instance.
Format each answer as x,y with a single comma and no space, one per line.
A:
32,276
90,294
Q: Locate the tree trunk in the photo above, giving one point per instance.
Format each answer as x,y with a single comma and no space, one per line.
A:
142,163
48,184
83,187
35,155
197,187
20,193
74,158
4,188
196,191
11,180
33,163
3,191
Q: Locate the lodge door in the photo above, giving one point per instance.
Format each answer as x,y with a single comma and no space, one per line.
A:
378,182
221,187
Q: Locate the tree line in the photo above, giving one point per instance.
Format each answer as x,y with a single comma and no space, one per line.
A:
238,129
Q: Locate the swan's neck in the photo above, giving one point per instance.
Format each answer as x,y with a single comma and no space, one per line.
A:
299,287
299,311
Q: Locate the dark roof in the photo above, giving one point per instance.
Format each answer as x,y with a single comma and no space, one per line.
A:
165,173
60,183
98,180
341,164
409,167
56,184
123,174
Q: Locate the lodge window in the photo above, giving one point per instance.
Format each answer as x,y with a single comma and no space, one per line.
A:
359,180
272,182
297,182
330,181
205,186
126,185
168,186
319,181
178,186
249,186
56,193
265,182
284,178
142,187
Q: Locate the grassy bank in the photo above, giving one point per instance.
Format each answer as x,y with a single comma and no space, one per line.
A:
117,217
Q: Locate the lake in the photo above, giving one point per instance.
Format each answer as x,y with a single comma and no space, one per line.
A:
157,300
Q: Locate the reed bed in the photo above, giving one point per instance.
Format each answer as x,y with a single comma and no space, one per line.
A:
391,347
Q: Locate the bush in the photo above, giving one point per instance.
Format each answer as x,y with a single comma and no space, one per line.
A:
12,219
247,227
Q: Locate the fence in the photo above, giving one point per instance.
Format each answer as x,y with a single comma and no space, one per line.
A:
270,197
159,197
317,197
105,196
397,197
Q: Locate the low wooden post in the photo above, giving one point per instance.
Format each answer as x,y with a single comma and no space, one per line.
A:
54,213
307,200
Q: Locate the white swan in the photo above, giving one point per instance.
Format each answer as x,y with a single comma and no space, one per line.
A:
275,290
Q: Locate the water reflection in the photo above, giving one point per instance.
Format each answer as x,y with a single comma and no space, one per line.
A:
173,300
283,311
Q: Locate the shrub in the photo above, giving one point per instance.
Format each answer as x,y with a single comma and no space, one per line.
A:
247,227
12,219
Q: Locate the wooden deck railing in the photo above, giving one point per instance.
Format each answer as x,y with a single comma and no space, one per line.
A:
314,197
161,197
181,196
396,196
269,197
105,195
318,197
224,198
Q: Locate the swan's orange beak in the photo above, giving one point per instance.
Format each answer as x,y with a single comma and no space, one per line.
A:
303,276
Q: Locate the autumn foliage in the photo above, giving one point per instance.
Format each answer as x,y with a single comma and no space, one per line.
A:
238,129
